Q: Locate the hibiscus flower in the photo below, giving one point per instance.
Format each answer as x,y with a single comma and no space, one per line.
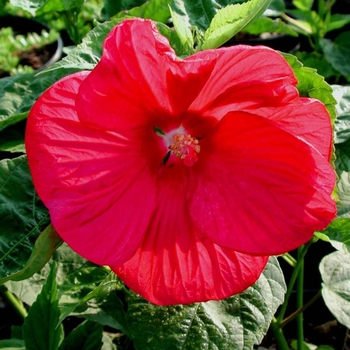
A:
182,175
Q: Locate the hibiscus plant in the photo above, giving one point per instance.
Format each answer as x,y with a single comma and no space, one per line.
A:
163,191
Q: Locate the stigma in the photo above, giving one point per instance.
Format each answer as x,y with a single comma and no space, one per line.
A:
185,147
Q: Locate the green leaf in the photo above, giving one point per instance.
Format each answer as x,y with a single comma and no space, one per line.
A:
85,289
18,94
22,215
312,84
197,13
184,33
12,344
44,246
230,20
337,52
12,92
41,328
12,139
318,61
304,5
335,272
343,156
241,320
156,10
38,7
87,336
338,21
342,122
269,25
343,186
112,7
67,262
107,310
338,233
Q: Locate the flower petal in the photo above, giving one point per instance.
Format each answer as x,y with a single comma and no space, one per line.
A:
258,189
306,118
139,78
97,185
245,78
174,265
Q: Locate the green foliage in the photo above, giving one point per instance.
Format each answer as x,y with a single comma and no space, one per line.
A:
41,328
238,322
312,84
269,25
230,20
112,7
342,123
156,10
12,46
87,336
68,285
335,272
22,216
39,7
337,53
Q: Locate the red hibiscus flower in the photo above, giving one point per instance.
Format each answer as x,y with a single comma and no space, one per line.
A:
182,175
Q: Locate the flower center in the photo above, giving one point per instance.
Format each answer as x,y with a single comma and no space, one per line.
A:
185,147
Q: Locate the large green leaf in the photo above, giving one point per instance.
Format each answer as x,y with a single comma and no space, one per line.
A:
337,52
235,323
230,20
335,272
342,123
41,328
22,215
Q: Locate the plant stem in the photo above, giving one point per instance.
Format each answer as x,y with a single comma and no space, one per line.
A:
292,281
300,299
289,259
15,303
292,316
278,335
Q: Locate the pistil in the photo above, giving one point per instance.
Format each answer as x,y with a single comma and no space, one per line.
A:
185,147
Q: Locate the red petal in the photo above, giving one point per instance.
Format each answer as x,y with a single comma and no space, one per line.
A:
245,78
306,118
174,265
97,184
258,189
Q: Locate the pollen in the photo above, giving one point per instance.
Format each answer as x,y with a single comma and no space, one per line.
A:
185,147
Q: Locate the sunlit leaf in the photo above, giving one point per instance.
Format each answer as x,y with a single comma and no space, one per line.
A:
335,272
230,20
342,123
240,321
